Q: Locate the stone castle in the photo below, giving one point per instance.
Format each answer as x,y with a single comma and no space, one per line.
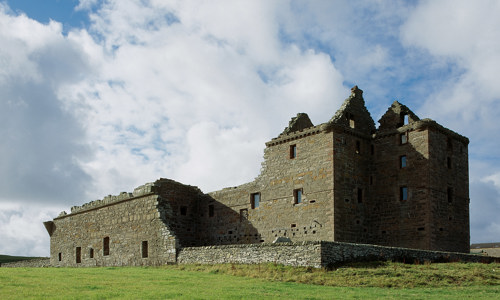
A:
403,184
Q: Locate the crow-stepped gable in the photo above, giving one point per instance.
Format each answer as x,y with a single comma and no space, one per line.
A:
404,184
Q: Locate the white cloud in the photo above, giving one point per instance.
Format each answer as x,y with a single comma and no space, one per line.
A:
21,229
40,140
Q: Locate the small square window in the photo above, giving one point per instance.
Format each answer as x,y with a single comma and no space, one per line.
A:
255,200
403,193
297,196
403,138
402,161
293,151
184,210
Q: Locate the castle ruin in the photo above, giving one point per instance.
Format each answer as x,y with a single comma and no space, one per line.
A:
403,184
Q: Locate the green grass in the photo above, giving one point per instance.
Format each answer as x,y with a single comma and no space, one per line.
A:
8,258
269,281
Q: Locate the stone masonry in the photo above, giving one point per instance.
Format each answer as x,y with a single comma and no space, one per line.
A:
403,184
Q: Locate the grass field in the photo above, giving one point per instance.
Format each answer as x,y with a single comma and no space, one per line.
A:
361,281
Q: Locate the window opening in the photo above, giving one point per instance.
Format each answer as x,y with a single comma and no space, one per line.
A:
255,200
105,246
144,249
243,214
403,137
293,151
403,193
297,196
78,255
402,161
404,118
91,252
184,210
448,162
211,210
352,123
358,147
449,194
60,256
360,195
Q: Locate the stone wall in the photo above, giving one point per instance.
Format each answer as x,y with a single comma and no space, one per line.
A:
317,254
143,229
290,254
29,263
310,170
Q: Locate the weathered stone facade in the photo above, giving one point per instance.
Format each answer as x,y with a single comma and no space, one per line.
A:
404,184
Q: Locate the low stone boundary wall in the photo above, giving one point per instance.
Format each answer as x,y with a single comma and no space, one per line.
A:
29,263
292,254
317,254
336,253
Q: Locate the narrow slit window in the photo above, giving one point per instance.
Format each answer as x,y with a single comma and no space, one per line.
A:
360,195
403,138
449,194
403,193
448,162
293,151
243,214
404,118
372,149
78,255
402,161
105,246
358,147
91,252
297,196
144,249
59,256
210,210
255,200
352,122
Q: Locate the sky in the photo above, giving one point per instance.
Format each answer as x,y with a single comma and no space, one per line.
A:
101,96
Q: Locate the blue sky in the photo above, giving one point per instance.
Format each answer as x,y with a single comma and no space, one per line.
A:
60,10
112,94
